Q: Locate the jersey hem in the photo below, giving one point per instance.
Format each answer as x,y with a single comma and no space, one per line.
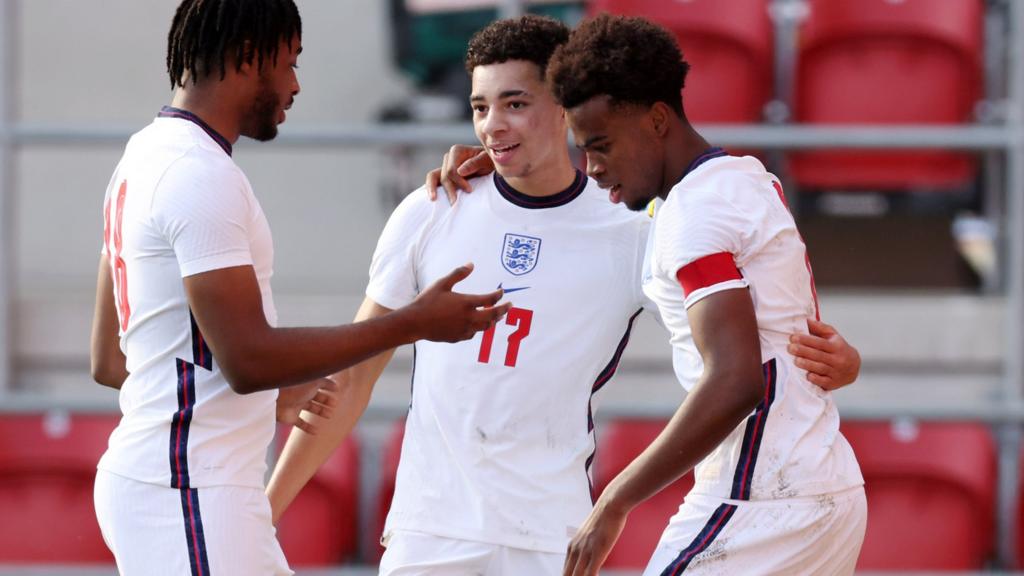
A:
531,544
164,480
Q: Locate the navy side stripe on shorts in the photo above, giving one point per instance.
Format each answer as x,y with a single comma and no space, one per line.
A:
751,446
194,537
707,535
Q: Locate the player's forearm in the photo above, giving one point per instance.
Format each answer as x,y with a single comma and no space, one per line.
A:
108,365
706,418
304,453
287,356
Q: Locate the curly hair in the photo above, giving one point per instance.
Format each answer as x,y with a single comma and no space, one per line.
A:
531,38
631,60
204,32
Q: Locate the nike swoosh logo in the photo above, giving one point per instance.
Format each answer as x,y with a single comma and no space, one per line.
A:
510,290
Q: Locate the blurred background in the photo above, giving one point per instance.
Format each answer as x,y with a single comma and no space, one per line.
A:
896,126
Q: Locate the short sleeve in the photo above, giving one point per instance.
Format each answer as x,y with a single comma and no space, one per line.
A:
204,209
393,273
702,238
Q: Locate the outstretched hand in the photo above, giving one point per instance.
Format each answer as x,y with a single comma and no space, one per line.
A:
447,316
460,164
830,361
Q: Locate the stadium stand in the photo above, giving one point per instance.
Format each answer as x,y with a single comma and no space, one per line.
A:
729,46
47,468
620,443
880,62
321,526
931,489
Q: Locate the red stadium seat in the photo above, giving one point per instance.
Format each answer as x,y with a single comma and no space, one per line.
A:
729,46
621,442
321,525
931,491
888,62
386,487
47,471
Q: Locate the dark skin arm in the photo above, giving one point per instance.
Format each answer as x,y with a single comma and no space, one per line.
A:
725,332
107,362
255,356
458,165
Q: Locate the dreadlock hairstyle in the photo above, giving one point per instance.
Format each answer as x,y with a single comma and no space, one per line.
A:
205,32
631,60
531,38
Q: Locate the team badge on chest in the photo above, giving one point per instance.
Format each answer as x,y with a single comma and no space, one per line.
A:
519,255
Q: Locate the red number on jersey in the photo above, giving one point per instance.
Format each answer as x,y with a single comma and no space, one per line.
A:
807,257
120,272
519,317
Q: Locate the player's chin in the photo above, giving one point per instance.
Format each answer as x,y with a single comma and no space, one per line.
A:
637,204
265,133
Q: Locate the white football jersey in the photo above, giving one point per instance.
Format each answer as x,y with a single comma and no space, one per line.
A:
499,437
725,226
177,205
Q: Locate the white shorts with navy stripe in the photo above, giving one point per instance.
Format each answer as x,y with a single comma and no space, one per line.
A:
792,537
216,531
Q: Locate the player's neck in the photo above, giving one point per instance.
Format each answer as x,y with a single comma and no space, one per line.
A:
683,145
211,107
546,180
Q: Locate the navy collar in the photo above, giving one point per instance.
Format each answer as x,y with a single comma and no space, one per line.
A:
709,154
171,112
524,201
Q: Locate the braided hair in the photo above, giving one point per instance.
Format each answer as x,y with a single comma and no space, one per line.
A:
204,32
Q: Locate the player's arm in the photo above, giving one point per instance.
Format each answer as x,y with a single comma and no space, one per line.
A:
725,332
305,453
254,356
107,362
458,165
830,361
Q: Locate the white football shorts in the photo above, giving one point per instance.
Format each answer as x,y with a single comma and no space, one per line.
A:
216,531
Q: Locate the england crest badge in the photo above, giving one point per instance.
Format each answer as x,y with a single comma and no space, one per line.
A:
519,255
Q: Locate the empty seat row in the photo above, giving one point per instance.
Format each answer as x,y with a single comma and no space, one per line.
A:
48,466
871,62
930,487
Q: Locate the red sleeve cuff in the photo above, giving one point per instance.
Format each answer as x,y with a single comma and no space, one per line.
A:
708,271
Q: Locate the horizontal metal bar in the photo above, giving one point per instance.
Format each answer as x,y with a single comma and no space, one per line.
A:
791,137
980,412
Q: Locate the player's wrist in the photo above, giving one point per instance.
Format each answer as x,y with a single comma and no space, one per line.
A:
613,504
409,323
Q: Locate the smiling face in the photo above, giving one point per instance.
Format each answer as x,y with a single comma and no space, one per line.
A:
624,152
516,118
275,92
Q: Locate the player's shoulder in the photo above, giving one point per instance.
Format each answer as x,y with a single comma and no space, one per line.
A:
722,182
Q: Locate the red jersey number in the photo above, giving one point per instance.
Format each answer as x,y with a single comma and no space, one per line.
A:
118,270
521,319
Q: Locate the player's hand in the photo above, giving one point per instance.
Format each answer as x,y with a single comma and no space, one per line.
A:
460,164
317,399
593,542
442,315
830,361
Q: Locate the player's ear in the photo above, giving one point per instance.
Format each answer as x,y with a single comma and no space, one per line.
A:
658,116
248,63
